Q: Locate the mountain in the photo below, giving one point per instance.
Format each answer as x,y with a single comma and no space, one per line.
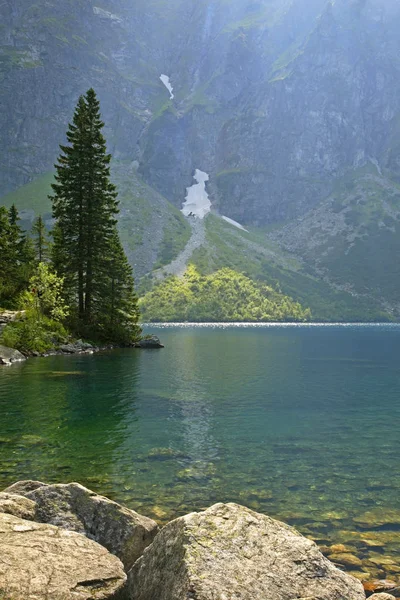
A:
292,107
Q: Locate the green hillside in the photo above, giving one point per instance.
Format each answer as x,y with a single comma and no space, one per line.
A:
263,260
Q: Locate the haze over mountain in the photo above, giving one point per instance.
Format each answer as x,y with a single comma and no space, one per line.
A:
292,108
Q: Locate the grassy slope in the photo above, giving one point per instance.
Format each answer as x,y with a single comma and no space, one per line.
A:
32,196
353,238
228,246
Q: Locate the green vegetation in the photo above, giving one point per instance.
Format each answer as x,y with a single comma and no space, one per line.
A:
87,252
176,235
32,196
17,257
263,261
88,286
220,297
33,334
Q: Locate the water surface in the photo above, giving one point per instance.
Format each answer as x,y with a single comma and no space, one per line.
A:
301,423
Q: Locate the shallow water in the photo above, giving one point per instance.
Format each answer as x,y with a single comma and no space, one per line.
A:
299,422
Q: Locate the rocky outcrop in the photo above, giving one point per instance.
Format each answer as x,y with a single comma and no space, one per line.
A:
18,506
9,356
150,342
71,506
43,562
229,551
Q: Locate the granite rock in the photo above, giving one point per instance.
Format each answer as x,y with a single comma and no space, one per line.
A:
71,506
231,552
43,562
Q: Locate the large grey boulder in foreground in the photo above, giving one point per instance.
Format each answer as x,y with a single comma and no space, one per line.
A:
71,506
229,552
43,562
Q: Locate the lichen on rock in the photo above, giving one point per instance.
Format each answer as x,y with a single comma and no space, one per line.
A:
229,552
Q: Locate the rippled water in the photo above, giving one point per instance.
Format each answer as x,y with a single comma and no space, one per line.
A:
300,422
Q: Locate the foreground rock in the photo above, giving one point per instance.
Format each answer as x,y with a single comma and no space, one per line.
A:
71,506
229,552
9,356
17,506
42,562
382,597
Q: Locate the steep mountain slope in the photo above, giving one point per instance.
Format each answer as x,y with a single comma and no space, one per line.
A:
291,106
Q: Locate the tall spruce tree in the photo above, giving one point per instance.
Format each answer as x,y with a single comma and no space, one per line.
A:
85,207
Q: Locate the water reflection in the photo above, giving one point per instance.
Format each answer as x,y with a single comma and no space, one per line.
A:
299,423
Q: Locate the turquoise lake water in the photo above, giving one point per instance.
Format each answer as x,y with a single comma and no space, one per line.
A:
299,422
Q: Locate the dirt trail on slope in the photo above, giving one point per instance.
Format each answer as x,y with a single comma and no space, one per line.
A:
179,265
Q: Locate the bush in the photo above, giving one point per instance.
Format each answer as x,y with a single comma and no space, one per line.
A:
34,334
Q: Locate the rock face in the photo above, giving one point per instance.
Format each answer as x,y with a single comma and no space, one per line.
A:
9,356
71,506
17,506
229,552
43,562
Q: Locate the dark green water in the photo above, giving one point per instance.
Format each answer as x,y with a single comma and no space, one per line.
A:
301,423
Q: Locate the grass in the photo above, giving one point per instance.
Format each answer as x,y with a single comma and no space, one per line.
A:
177,233
32,196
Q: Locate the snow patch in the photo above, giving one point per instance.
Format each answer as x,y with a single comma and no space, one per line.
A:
197,203
167,83
234,223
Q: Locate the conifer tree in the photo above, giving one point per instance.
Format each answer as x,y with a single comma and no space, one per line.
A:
119,304
85,207
39,239
16,256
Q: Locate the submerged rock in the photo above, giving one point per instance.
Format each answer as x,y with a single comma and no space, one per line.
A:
71,506
377,586
42,562
17,506
9,356
346,559
378,517
229,551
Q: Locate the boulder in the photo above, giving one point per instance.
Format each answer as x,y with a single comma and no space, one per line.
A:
150,342
21,488
9,356
42,562
71,506
17,506
229,552
382,597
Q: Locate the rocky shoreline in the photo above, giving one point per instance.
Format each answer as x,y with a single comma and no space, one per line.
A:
8,356
65,542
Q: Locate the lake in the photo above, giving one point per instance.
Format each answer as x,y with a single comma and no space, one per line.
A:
299,422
